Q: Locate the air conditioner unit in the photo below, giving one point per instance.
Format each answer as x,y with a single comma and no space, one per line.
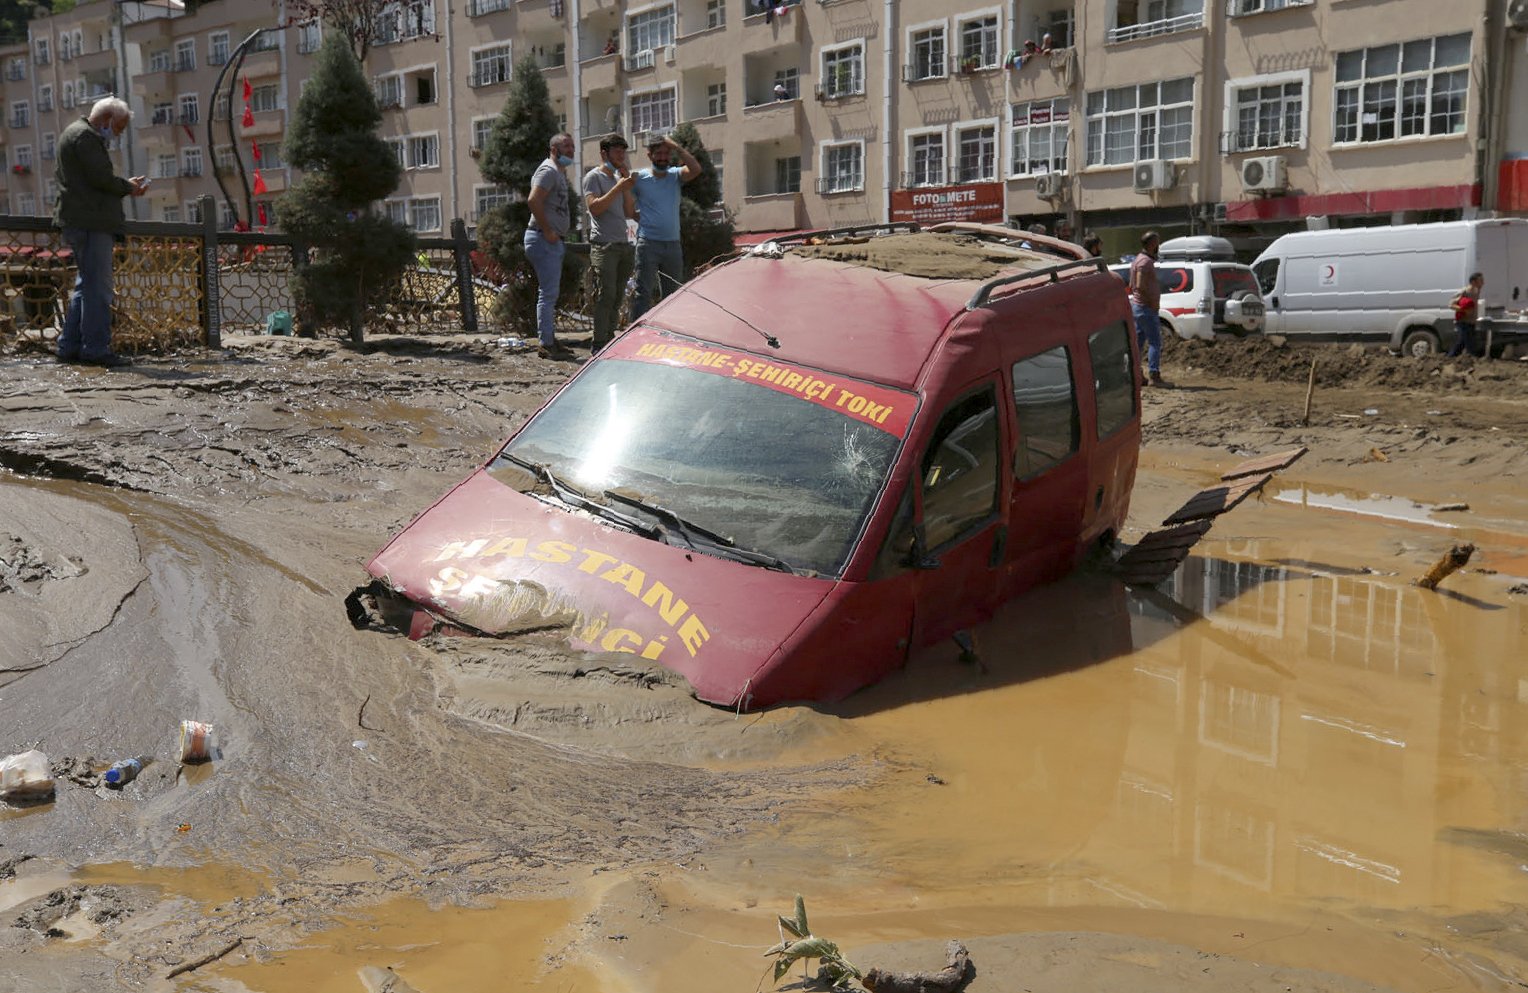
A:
1155,174
668,54
1265,174
1050,186
643,59
1517,14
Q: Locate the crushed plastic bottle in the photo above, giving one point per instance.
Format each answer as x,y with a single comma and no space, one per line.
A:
123,772
25,776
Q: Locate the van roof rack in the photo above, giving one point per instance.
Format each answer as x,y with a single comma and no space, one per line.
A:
892,227
1051,274
999,232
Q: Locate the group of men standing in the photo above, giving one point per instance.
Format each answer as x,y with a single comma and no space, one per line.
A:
614,194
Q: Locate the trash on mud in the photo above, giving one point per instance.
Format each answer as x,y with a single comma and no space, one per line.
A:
1371,411
123,772
207,959
195,741
25,776
952,977
1446,508
1375,455
1454,559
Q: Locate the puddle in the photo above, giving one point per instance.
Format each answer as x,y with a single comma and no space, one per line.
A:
449,948
1388,508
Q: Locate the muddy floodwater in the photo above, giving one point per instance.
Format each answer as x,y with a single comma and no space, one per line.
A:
1285,768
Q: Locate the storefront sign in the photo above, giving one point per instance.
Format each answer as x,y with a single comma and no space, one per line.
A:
981,202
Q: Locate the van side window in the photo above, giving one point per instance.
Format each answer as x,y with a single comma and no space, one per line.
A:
1267,273
1113,377
1049,426
960,469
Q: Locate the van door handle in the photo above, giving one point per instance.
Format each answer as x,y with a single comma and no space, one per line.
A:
999,546
1275,303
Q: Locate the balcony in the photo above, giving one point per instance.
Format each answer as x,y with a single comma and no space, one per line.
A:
477,8
540,17
155,80
707,47
762,36
600,73
258,65
1152,29
267,123
770,212
1241,8
774,121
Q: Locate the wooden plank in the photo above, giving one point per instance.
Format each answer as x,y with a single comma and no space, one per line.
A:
1265,463
1156,555
1218,499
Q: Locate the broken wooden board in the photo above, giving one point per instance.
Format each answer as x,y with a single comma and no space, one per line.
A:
1154,557
1217,500
1265,463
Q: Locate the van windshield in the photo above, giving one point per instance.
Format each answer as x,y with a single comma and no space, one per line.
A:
790,472
1233,281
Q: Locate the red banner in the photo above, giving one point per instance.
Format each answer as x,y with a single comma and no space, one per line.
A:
981,202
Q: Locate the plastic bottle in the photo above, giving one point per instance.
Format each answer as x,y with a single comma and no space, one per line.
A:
122,773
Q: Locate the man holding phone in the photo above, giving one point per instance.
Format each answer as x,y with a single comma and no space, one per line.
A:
607,193
89,212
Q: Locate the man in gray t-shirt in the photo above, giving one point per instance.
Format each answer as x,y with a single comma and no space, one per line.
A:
607,194
544,246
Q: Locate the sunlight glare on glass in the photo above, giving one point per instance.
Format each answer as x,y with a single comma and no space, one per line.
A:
607,445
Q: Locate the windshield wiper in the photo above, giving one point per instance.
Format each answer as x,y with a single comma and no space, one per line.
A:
689,531
575,497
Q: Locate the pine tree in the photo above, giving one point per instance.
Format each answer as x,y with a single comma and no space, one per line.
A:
347,167
704,238
516,145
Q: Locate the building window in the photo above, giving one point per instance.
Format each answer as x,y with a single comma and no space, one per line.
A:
225,216
159,61
66,100
1146,18
264,99
424,151
1150,121
163,113
929,59
405,20
399,150
1059,24
389,92
185,55
44,98
26,204
42,52
424,213
790,79
188,109
788,174
978,42
977,150
652,111
16,69
270,156
423,85
482,127
649,30
50,193
716,100
165,166
65,47
1040,132
193,212
477,8
191,162
21,114
223,159
49,145
716,13
843,168
310,35
843,71
217,48
491,65
1402,91
486,198
171,215
925,153
1268,116
718,165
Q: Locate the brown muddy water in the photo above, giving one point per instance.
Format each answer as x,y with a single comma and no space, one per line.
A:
1285,769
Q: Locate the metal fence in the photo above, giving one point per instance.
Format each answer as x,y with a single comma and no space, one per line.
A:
185,284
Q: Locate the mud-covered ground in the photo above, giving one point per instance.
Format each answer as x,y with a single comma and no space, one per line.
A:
176,540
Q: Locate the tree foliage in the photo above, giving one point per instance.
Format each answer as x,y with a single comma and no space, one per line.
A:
704,237
517,143
347,167
358,21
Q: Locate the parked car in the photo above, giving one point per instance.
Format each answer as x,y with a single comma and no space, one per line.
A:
1205,291
801,466
1393,284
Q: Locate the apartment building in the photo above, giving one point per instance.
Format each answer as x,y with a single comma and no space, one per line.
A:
1246,117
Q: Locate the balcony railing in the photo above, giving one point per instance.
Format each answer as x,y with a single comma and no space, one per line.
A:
644,59
841,184
477,8
159,65
1150,29
916,180
1240,8
489,75
1236,142
188,117
915,73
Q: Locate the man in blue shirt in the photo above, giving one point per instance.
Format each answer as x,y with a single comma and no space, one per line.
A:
660,259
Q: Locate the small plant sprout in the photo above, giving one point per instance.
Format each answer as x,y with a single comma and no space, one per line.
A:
797,943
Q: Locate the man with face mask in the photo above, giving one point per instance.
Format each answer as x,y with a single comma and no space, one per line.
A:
607,194
544,246
89,213
660,258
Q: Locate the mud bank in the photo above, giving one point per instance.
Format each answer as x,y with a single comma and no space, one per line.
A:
1286,769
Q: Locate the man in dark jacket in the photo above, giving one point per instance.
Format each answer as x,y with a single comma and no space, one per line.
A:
89,212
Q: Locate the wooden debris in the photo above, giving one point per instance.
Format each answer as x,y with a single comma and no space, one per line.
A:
1154,557
1375,455
947,980
1445,508
1218,499
1456,558
204,960
1265,463
1310,392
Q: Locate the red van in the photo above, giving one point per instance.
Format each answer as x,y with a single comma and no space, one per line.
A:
803,465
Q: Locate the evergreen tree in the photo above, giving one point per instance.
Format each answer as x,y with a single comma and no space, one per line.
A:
516,145
347,167
704,238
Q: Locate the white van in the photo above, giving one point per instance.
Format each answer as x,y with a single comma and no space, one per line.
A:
1205,291
1390,284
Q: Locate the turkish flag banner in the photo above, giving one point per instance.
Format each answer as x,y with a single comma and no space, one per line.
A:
249,91
259,186
249,118
254,152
